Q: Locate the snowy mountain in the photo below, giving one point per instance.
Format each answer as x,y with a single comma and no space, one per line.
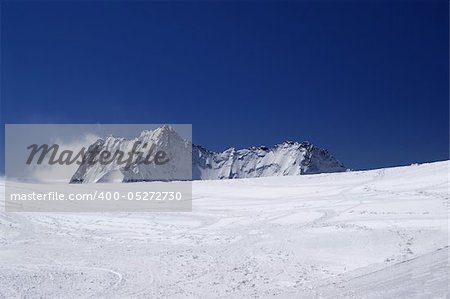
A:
164,139
286,159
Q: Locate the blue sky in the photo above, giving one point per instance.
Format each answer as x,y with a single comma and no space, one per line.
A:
367,80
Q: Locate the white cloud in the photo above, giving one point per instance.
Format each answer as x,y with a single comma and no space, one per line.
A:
62,173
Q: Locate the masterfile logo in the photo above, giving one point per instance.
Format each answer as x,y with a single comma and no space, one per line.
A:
43,160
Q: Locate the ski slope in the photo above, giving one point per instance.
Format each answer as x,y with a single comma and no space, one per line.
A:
368,234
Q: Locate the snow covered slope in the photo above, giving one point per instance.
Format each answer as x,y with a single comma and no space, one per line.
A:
364,234
289,158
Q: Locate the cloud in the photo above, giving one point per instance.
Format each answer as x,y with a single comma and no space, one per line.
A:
61,173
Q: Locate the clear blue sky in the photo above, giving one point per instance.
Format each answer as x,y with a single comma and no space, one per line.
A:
367,80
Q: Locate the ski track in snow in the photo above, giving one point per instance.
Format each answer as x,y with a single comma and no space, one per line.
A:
369,234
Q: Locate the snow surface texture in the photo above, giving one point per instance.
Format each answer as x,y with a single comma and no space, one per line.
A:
367,234
289,158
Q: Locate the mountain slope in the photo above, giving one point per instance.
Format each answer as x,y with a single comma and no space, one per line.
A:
364,234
